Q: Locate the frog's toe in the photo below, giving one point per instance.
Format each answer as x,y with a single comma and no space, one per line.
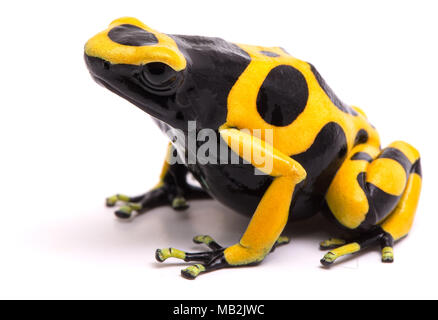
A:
128,205
207,240
331,243
179,203
341,251
215,263
328,259
282,240
387,255
208,261
125,212
113,200
163,254
156,197
193,271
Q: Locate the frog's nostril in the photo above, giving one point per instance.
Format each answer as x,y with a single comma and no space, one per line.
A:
106,65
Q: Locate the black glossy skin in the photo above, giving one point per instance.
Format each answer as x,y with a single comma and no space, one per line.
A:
197,95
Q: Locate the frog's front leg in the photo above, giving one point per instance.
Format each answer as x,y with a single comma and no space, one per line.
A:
172,189
269,218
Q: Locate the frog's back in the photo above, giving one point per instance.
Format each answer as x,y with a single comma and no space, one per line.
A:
287,95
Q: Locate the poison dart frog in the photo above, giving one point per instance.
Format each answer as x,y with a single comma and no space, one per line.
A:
326,156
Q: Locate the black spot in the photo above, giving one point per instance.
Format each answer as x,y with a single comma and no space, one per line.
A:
343,151
325,154
329,92
361,137
130,35
269,53
361,156
282,96
321,162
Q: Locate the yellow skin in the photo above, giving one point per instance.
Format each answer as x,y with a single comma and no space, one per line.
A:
345,197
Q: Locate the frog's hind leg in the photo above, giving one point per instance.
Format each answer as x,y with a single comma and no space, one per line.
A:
375,194
172,189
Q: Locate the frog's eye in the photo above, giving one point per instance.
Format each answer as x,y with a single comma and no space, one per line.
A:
158,75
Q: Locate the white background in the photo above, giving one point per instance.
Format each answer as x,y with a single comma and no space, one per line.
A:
67,143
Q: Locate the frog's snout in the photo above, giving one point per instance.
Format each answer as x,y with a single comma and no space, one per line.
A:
97,67
129,41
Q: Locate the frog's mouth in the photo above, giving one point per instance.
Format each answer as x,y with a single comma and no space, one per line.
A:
149,100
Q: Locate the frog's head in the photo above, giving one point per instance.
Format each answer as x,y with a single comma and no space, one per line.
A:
174,78
141,65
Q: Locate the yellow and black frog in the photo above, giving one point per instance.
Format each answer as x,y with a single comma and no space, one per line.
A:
325,155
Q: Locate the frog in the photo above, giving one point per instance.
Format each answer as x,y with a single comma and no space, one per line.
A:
326,155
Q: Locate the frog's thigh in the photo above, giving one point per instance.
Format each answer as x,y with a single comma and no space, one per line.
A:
400,221
345,198
370,184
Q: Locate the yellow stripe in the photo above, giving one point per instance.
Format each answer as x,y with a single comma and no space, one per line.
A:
266,224
347,249
401,219
272,212
388,175
345,198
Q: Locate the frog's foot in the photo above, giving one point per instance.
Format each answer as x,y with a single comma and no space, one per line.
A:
218,258
211,260
213,245
371,238
155,198
113,200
